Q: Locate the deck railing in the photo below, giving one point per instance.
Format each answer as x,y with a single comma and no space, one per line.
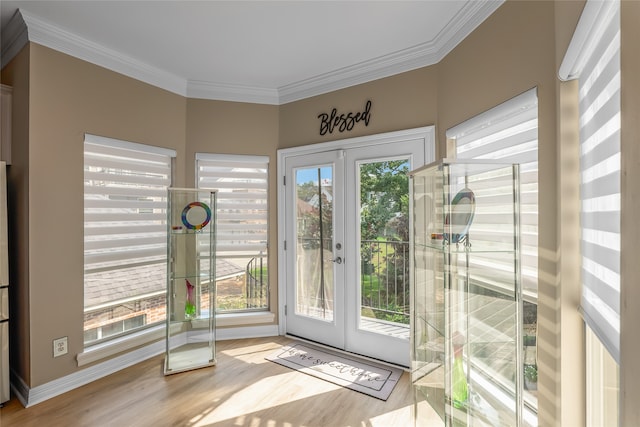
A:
384,279
256,289
384,276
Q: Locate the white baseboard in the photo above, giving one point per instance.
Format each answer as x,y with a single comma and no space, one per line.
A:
223,334
32,396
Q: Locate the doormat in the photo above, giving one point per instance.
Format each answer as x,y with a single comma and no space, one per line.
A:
366,377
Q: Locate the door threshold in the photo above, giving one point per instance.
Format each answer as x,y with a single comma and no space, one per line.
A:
342,351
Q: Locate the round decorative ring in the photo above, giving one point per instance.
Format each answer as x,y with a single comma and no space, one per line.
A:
196,225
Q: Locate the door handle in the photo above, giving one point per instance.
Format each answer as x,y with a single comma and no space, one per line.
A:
337,260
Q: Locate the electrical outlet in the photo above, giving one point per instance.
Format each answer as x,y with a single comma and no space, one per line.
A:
60,346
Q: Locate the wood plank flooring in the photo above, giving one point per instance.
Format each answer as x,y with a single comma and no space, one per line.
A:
243,389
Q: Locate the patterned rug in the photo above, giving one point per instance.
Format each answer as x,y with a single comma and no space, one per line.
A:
348,371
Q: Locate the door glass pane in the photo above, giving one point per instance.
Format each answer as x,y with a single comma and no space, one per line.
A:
384,247
314,234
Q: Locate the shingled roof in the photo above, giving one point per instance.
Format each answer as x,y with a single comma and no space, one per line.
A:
115,286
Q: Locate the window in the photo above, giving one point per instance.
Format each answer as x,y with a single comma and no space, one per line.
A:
593,57
125,243
114,328
599,107
509,133
242,230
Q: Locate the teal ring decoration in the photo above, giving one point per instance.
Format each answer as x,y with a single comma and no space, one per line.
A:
461,220
204,223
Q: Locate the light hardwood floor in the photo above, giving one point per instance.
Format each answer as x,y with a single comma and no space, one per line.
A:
243,389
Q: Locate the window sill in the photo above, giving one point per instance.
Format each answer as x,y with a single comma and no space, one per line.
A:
240,319
110,348
156,333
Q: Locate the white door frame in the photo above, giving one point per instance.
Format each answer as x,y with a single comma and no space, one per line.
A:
427,134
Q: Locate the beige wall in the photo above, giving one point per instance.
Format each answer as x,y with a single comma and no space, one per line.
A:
517,48
68,97
511,52
630,189
404,101
220,127
17,75
570,379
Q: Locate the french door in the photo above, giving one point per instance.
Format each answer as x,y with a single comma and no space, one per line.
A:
345,241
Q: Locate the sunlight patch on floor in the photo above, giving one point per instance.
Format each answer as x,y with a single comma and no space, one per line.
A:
390,418
244,402
251,350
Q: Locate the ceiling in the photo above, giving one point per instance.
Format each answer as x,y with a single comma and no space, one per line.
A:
251,51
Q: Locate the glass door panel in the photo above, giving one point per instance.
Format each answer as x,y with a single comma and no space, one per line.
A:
384,247
377,217
314,232
315,296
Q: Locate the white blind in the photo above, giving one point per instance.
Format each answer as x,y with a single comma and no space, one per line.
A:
125,202
509,133
242,201
593,57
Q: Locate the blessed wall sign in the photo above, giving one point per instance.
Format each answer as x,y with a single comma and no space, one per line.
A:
344,121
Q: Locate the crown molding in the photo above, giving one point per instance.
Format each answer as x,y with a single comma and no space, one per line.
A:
463,23
226,92
384,66
25,27
46,34
14,36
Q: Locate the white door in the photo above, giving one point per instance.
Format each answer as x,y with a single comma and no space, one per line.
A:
314,251
346,263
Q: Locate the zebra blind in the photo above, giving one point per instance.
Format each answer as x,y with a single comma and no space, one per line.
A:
125,201
593,57
242,201
509,133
